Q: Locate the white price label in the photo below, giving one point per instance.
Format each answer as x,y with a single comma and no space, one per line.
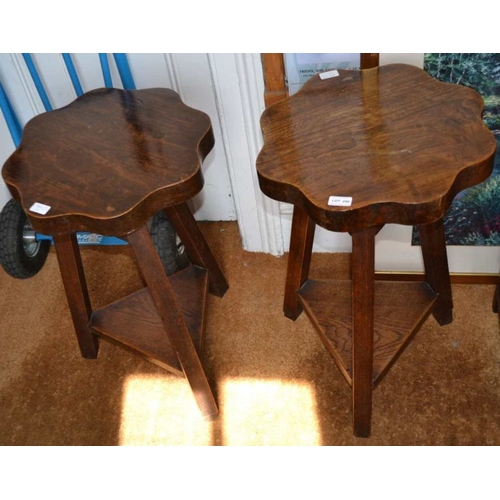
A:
329,74
39,208
340,201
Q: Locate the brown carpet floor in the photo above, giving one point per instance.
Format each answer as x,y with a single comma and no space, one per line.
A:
274,381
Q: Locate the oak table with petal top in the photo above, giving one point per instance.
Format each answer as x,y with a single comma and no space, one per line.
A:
353,152
107,163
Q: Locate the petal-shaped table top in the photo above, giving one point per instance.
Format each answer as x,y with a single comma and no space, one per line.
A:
398,142
109,160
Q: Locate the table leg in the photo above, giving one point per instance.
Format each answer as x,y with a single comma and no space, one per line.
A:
299,260
196,246
432,240
496,297
73,277
166,302
363,275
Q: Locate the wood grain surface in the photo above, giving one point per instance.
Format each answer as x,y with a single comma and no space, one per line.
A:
400,143
196,246
135,322
77,295
109,160
273,66
399,311
299,261
168,305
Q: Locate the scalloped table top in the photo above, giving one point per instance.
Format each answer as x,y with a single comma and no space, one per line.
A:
109,160
398,142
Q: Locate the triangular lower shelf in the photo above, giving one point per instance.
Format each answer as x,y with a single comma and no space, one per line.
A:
135,323
399,311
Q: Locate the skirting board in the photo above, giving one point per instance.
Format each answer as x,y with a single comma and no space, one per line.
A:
456,278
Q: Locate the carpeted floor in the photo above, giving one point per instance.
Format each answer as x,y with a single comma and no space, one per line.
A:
274,381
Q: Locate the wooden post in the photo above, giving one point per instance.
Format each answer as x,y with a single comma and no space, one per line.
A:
73,277
196,246
299,260
437,274
166,302
363,270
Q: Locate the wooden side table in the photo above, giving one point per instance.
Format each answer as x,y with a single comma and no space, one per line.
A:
353,152
106,164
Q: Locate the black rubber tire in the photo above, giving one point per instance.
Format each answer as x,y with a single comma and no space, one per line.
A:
168,246
13,256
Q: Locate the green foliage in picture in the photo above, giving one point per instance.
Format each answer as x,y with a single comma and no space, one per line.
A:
474,216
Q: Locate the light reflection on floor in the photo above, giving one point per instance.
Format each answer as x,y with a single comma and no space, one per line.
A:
269,413
161,410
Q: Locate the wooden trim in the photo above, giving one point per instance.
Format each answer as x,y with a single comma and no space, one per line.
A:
369,61
274,78
456,278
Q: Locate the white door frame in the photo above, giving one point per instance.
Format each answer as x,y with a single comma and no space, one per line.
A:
239,86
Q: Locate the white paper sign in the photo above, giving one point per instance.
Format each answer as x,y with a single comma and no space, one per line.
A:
329,74
39,208
340,201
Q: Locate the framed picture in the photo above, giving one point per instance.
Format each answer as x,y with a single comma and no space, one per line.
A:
474,216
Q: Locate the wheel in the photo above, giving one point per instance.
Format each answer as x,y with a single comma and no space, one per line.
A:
168,245
20,254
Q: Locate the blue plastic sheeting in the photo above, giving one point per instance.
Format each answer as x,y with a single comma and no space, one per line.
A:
106,73
73,74
124,70
84,238
37,81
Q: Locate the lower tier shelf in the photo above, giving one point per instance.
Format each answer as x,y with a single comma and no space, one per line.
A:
400,309
135,323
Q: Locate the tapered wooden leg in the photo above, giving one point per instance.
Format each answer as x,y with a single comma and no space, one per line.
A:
437,274
73,277
363,271
166,302
496,297
196,246
299,260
